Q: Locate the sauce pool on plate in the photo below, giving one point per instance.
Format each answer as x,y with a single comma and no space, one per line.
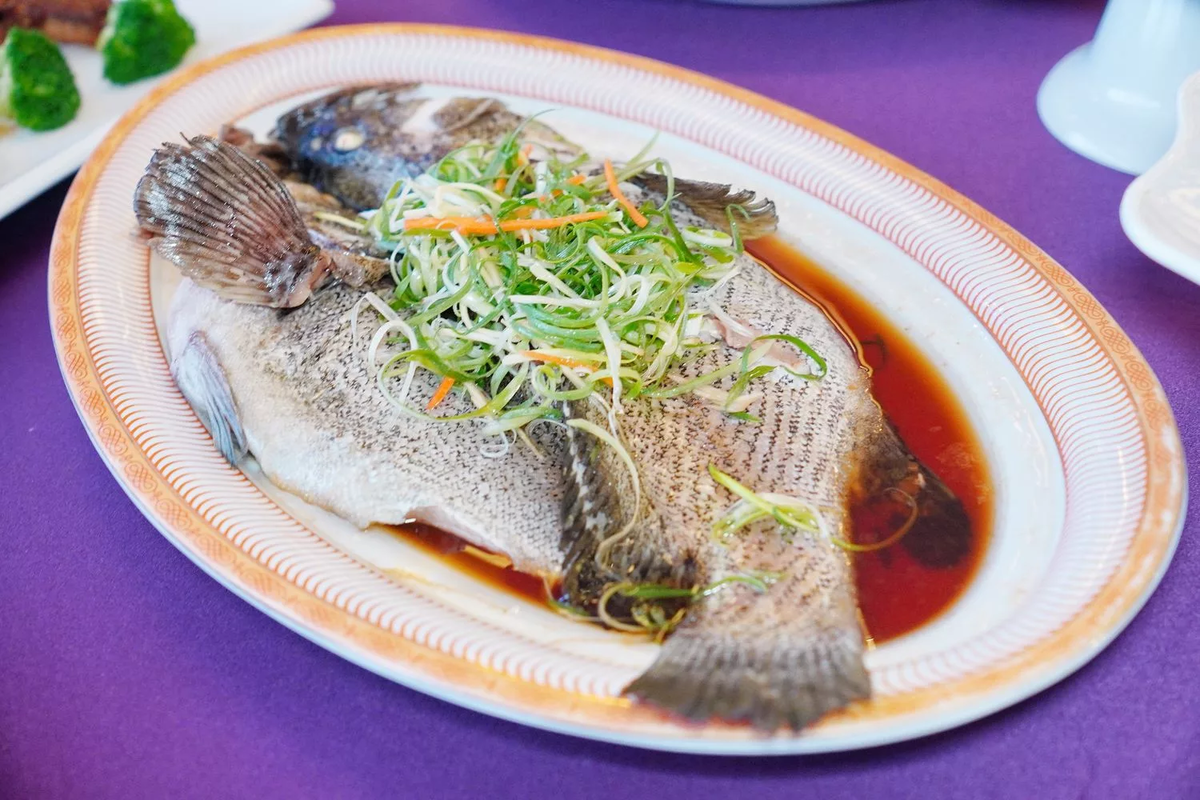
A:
896,593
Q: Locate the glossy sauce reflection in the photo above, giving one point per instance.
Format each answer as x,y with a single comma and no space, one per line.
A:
485,567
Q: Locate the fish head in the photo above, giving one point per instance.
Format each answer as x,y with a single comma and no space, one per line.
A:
312,127
343,143
356,142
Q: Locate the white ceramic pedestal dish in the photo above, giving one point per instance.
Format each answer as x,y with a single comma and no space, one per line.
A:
1113,100
1160,211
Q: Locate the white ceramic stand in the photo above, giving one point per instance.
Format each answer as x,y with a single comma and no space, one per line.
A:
1113,100
1160,211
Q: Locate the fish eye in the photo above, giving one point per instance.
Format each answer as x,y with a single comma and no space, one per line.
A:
348,139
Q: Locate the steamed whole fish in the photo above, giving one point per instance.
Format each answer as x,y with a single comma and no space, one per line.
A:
776,652
268,342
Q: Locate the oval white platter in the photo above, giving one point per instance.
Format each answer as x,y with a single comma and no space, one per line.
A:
1085,458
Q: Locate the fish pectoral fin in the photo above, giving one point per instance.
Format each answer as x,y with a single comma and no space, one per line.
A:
202,381
229,224
770,681
710,201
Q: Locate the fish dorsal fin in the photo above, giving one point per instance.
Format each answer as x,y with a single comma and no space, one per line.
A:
710,202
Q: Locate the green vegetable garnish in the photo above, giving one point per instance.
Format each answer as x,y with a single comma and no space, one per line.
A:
37,89
142,38
652,616
791,513
523,275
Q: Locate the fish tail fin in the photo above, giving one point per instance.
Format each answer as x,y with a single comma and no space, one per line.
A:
769,681
940,536
711,202
229,224
202,381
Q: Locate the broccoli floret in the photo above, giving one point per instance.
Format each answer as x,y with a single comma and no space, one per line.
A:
37,89
143,38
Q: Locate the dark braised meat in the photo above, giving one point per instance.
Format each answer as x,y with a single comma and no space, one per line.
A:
75,21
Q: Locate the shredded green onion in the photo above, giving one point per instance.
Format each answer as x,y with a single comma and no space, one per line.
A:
650,617
913,512
338,219
791,513
530,318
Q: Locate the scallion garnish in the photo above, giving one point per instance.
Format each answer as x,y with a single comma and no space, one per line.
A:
648,612
523,280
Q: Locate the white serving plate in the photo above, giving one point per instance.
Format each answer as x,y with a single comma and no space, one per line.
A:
32,162
1086,460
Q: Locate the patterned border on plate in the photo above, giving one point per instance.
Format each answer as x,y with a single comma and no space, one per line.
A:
1098,395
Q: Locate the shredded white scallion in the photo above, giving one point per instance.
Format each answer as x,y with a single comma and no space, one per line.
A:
538,286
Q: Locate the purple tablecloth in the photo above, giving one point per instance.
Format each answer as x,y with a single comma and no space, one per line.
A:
126,672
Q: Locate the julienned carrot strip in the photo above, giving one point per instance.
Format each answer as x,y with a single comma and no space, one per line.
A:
438,396
499,184
577,179
482,226
611,178
537,355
